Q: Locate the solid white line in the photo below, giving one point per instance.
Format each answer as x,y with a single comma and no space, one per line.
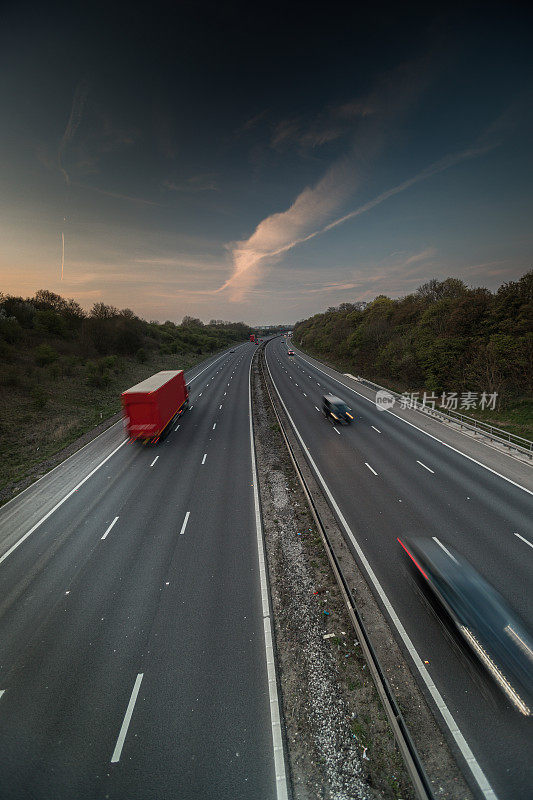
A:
275,717
376,429
203,370
431,436
127,719
524,540
27,489
214,426
444,548
185,521
204,458
460,740
370,468
423,465
107,531
60,503
153,462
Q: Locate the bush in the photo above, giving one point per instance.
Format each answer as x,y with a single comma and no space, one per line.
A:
39,396
10,329
140,355
97,375
44,354
9,379
49,321
55,370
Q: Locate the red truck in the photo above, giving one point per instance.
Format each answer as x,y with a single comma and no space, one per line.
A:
252,337
149,406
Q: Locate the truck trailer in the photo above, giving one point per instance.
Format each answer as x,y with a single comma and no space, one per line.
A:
151,405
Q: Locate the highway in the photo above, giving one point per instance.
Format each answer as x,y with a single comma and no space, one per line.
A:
388,479
133,617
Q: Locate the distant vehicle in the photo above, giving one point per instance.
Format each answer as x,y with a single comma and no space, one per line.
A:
151,405
232,350
290,352
487,623
252,337
336,409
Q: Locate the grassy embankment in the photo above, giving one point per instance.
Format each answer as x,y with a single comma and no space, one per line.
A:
443,338
62,371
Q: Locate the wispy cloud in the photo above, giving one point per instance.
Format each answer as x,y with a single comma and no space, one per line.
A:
332,124
118,195
196,183
422,256
376,116
278,234
74,120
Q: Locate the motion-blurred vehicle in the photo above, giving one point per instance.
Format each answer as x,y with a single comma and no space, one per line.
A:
484,619
150,406
336,409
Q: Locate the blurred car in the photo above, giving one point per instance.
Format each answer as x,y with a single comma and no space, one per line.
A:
290,352
336,409
232,350
484,619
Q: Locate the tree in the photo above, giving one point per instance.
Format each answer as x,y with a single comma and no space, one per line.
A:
101,311
191,322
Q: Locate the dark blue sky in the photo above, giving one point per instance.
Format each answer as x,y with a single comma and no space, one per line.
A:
261,163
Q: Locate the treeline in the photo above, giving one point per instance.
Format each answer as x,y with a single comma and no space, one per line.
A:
443,337
58,333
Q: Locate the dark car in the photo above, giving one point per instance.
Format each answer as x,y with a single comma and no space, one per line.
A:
336,409
232,350
290,352
487,623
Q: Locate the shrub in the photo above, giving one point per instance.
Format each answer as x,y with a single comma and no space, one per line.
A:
10,329
55,370
97,375
44,354
39,396
49,321
141,355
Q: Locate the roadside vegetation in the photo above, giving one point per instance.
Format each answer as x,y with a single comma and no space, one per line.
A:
62,370
443,338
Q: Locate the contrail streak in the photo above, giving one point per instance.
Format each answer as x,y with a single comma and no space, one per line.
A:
439,166
76,112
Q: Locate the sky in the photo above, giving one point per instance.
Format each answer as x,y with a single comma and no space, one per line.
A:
262,163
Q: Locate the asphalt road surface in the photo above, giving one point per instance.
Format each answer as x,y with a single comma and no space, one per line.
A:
131,616
390,479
